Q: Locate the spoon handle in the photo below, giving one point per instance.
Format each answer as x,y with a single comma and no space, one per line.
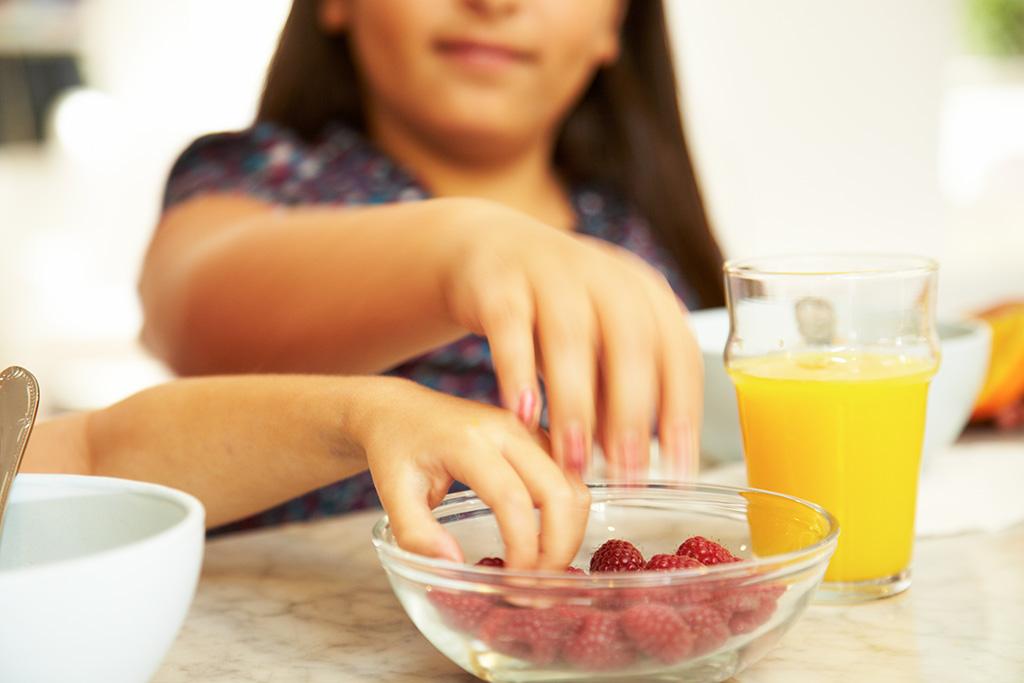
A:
19,403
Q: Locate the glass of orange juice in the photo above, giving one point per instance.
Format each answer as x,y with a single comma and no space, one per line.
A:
831,356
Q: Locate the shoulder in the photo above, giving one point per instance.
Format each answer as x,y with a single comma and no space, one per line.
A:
340,166
219,147
262,144
266,160
605,213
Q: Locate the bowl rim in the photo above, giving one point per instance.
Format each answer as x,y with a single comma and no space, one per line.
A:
758,566
966,330
194,513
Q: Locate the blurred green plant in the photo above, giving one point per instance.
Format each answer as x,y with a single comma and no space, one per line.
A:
996,27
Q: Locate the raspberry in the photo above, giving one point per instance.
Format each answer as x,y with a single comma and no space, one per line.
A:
620,598
667,563
599,645
491,562
705,551
676,595
531,634
738,600
747,598
775,590
617,556
575,570
747,607
747,621
680,596
574,615
709,628
658,631
461,611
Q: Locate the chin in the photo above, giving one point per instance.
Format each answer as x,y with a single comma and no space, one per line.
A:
484,131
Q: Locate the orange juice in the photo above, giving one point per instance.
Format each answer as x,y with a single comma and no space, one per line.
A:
843,430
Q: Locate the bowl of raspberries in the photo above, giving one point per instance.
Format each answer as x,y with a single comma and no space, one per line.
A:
682,582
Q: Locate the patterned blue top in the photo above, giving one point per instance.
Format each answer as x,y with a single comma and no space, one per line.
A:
343,168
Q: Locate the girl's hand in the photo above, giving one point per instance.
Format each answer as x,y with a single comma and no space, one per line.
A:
418,441
603,328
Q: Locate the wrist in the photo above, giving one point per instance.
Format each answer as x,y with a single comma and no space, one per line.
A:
457,224
470,236
367,404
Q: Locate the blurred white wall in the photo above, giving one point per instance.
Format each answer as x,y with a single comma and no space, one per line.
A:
815,125
75,215
185,66
821,126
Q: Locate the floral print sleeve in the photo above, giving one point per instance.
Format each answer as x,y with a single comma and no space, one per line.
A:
265,162
272,163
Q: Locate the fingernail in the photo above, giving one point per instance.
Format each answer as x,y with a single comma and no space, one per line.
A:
629,447
527,410
450,549
690,446
575,449
677,452
670,452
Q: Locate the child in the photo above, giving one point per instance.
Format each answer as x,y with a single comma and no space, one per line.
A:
242,444
511,170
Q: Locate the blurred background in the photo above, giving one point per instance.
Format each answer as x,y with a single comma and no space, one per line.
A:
852,124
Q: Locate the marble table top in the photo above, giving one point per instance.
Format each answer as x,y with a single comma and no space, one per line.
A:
309,603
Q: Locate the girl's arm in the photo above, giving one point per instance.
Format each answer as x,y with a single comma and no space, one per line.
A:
239,444
244,444
232,284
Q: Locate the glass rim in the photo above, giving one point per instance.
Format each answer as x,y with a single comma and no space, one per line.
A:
826,264
785,562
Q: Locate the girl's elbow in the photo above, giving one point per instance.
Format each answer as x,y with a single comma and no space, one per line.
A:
179,340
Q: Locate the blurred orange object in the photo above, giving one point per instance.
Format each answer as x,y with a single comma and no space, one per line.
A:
1004,384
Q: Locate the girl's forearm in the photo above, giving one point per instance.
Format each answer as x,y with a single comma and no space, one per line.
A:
239,444
234,285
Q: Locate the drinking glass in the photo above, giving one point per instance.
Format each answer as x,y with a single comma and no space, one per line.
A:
831,357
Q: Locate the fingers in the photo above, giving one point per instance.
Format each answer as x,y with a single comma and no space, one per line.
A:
414,525
563,501
506,315
682,384
498,485
681,381
614,348
629,374
566,335
678,373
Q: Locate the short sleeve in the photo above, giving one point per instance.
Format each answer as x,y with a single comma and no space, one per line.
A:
604,214
264,161
639,239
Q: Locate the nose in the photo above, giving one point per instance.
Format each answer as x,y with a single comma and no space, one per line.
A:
493,8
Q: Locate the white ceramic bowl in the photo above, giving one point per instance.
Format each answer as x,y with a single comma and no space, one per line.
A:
96,576
965,351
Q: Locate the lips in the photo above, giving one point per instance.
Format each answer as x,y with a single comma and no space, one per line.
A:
482,54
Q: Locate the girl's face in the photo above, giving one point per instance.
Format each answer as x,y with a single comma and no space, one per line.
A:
488,73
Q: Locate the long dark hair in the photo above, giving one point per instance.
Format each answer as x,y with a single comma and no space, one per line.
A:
625,132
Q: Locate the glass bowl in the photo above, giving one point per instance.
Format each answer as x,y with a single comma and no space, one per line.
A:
697,625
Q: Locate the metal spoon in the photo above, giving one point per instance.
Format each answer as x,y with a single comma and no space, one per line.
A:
19,403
